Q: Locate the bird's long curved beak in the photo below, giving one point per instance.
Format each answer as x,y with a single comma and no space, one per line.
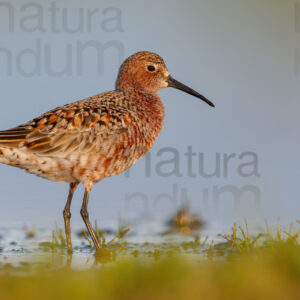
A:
180,86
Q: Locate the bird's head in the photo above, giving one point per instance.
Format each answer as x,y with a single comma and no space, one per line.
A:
146,72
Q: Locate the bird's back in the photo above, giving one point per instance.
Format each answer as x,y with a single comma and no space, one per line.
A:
86,140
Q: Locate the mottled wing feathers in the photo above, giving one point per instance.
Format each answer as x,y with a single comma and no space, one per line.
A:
13,137
82,125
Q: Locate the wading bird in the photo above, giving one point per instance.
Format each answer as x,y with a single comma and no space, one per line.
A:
98,137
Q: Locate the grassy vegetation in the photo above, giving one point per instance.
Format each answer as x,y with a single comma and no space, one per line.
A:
245,266
274,275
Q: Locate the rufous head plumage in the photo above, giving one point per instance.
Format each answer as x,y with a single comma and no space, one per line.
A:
146,72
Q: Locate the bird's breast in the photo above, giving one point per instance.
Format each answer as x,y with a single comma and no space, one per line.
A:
144,123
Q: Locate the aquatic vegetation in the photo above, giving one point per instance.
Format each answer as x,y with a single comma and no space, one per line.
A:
282,237
101,236
247,265
275,275
240,239
58,239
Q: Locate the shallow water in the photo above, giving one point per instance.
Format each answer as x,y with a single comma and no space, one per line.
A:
22,246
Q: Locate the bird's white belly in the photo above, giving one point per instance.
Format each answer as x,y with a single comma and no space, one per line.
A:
52,168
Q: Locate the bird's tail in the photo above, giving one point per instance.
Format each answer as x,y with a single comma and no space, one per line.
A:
9,141
12,137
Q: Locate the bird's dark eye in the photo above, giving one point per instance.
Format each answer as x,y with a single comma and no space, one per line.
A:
151,68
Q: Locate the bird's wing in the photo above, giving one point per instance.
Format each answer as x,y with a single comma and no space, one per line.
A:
82,125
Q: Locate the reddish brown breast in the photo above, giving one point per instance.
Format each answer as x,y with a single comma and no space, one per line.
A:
151,113
143,117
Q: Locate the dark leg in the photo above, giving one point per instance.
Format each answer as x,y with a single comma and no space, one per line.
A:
67,214
69,259
85,216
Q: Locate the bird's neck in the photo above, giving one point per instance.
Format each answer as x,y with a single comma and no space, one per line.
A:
152,109
150,102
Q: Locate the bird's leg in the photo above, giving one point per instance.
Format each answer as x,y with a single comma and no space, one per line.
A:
85,216
67,214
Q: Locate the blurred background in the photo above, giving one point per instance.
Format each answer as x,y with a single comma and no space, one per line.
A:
238,160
